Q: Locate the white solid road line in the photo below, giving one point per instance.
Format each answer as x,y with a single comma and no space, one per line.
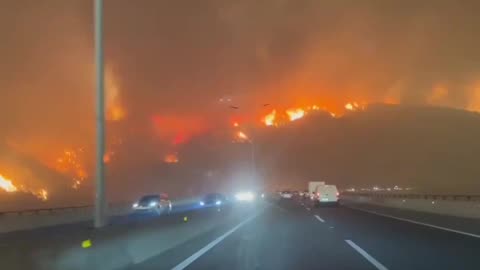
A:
206,248
418,222
307,208
319,218
367,256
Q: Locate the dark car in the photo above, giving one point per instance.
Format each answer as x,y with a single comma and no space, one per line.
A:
156,204
213,199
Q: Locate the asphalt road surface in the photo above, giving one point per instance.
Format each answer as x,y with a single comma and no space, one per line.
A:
286,234
19,249
290,235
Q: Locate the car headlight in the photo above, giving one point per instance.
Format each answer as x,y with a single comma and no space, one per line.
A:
245,196
218,202
135,205
151,204
202,203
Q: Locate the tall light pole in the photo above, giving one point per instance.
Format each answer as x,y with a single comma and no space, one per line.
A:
252,144
100,202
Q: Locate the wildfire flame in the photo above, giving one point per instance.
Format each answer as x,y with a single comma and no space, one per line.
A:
269,119
6,184
295,114
69,163
354,106
42,194
171,158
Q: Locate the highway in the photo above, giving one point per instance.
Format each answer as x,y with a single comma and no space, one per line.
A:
285,234
289,235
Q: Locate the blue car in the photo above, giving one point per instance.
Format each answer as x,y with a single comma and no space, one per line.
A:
213,200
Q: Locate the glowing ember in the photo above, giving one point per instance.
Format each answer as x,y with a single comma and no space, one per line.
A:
295,114
107,157
6,184
42,194
76,184
269,119
242,136
171,158
354,106
70,164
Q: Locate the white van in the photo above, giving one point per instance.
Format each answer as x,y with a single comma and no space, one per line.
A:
312,187
326,194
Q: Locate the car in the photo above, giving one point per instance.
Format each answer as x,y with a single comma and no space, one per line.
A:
213,199
304,194
326,195
157,204
286,194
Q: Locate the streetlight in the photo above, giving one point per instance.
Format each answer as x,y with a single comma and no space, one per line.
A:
251,141
100,203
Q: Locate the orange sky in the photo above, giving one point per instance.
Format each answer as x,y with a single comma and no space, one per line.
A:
166,69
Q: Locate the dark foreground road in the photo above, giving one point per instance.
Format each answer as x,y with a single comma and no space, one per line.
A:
289,235
20,249
285,234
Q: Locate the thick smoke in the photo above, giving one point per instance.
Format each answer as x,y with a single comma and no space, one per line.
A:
171,56
175,59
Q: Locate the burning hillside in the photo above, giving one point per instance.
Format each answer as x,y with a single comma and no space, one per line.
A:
303,58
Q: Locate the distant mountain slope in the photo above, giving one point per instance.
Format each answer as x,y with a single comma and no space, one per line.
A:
430,148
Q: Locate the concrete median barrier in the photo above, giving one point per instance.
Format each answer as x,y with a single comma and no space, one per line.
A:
38,218
121,246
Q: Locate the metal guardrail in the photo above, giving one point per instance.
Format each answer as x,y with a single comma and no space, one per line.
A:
435,197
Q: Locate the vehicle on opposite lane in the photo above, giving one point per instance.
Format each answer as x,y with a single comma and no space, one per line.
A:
157,204
213,199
